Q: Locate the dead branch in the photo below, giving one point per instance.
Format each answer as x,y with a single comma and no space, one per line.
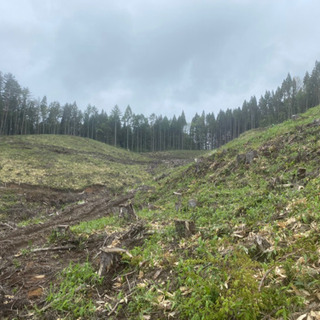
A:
50,249
115,250
7,225
264,278
53,248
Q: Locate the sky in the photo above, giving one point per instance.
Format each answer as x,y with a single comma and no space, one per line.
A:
158,56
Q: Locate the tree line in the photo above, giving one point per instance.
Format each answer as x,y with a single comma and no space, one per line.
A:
21,114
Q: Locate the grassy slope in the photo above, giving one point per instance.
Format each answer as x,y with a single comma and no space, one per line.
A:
67,162
257,253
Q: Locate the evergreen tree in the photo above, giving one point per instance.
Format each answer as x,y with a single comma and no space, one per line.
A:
127,117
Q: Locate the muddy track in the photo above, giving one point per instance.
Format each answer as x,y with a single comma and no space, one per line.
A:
95,206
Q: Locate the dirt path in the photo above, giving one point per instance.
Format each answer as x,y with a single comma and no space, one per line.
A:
91,206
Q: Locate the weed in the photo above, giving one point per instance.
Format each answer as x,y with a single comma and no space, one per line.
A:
72,295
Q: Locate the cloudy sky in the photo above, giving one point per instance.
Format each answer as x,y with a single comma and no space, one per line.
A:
158,56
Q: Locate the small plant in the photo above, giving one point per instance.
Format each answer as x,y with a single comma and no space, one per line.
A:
72,295
16,263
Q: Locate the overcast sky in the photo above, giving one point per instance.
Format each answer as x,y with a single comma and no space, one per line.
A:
157,56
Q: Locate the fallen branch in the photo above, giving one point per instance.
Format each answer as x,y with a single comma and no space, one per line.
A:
7,225
53,248
269,270
49,249
264,278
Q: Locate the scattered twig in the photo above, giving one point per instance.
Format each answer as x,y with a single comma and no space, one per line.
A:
117,304
53,248
264,278
49,249
9,276
128,283
269,270
123,275
7,225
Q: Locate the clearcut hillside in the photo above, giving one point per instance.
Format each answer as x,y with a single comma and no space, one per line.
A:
233,235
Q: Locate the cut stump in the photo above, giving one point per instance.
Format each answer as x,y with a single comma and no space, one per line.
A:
185,228
127,212
109,256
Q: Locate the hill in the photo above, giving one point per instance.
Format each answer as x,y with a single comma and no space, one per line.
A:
233,235
68,162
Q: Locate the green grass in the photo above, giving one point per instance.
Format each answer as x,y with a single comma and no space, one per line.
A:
31,221
217,274
72,296
96,225
256,251
68,162
8,201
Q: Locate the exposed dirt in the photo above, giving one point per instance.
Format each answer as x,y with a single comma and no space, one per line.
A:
25,273
25,276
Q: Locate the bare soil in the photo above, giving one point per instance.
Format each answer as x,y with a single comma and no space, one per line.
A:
25,276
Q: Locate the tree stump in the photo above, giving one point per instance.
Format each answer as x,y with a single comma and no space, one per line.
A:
127,212
185,228
62,229
301,173
109,256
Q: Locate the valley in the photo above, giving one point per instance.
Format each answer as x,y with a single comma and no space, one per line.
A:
226,234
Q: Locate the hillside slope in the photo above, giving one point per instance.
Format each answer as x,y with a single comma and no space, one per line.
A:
53,182
253,254
68,162
256,205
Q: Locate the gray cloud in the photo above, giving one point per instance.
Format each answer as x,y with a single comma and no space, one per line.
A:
157,56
